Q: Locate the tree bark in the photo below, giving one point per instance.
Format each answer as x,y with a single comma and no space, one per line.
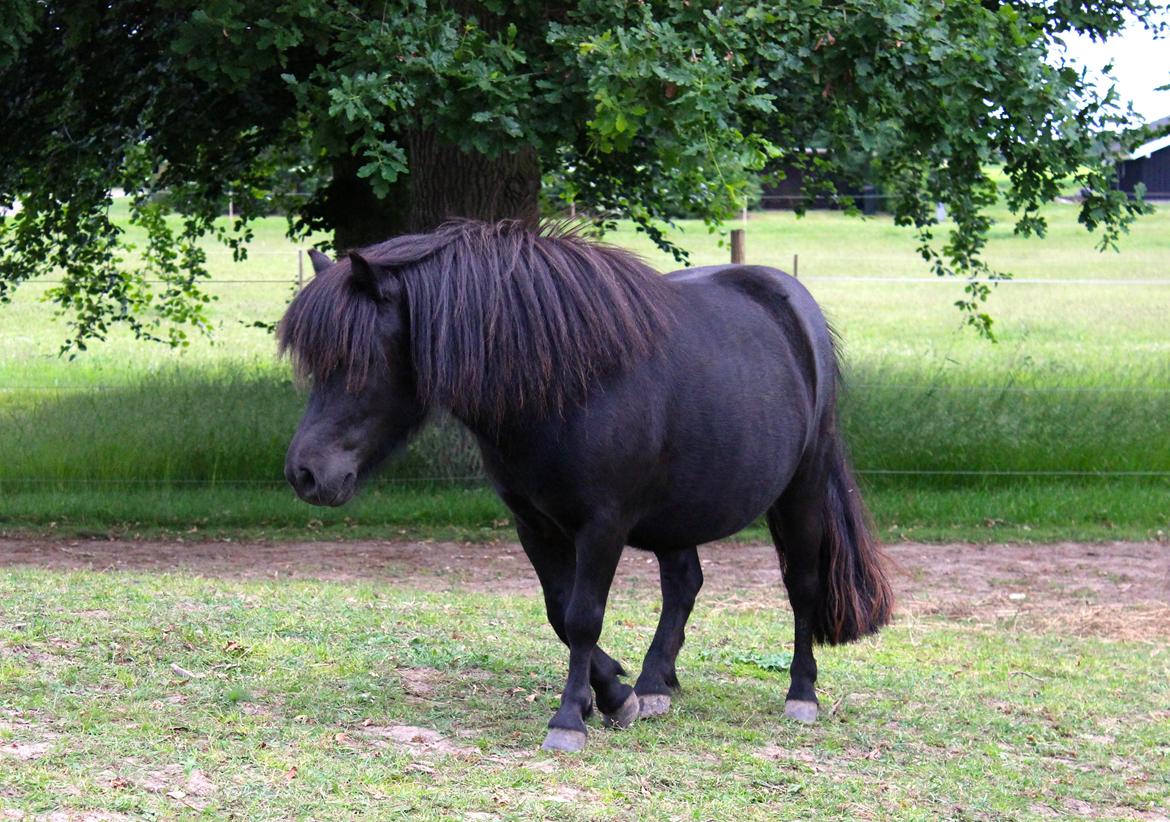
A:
443,183
356,214
447,183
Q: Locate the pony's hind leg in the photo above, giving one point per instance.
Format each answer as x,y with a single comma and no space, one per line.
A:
682,577
553,558
797,530
833,568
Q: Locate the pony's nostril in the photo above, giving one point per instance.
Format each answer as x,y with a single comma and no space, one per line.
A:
305,481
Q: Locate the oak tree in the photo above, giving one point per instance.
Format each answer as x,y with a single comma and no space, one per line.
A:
368,119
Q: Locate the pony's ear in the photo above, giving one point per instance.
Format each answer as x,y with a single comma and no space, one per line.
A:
377,281
319,260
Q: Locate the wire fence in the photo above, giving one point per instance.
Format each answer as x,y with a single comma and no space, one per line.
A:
859,197
852,386
738,250
230,483
482,479
824,278
297,259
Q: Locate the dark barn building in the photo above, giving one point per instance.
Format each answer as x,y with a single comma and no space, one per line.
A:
1150,166
785,194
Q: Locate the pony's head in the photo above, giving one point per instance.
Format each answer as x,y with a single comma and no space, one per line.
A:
490,321
347,333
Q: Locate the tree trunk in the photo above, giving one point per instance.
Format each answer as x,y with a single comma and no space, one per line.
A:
443,183
448,183
358,217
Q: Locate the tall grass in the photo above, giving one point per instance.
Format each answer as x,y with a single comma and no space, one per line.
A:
232,423
223,424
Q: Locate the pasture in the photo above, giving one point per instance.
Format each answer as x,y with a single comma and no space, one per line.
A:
1061,429
394,681
218,648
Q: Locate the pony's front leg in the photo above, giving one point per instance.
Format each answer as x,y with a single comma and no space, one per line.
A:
554,558
598,550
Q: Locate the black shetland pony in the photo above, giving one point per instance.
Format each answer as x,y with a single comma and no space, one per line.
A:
613,407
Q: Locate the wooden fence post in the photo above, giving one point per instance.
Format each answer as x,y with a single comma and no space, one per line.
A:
737,253
300,269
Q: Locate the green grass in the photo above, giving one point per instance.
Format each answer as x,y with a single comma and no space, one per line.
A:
921,509
297,684
1078,382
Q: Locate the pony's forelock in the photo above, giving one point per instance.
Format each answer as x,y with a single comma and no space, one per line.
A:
331,326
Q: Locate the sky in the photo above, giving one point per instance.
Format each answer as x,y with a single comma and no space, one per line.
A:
1140,65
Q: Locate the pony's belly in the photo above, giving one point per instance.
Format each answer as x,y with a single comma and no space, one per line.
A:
719,485
695,518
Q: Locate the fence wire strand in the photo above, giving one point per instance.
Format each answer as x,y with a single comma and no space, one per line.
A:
849,386
819,278
163,483
480,479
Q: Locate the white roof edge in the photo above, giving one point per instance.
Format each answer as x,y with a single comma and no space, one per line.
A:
1149,148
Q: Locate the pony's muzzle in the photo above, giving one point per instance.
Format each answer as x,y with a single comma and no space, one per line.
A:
318,488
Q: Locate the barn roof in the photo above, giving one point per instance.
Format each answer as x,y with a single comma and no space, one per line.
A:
1146,149
1149,148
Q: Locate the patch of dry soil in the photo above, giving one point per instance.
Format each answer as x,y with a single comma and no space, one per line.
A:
1118,590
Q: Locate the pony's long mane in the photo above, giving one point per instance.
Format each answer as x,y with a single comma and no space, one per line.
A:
502,318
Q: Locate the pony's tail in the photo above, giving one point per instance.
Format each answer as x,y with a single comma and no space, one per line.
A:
856,599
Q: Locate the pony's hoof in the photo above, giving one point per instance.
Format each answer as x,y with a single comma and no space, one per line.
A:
802,710
624,716
559,739
653,705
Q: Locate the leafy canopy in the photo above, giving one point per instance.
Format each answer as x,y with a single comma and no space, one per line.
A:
643,110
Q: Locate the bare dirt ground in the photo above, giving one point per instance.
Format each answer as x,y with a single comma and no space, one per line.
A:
1114,590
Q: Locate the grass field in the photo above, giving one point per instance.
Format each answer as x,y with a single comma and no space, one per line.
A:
172,694
310,699
1013,437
